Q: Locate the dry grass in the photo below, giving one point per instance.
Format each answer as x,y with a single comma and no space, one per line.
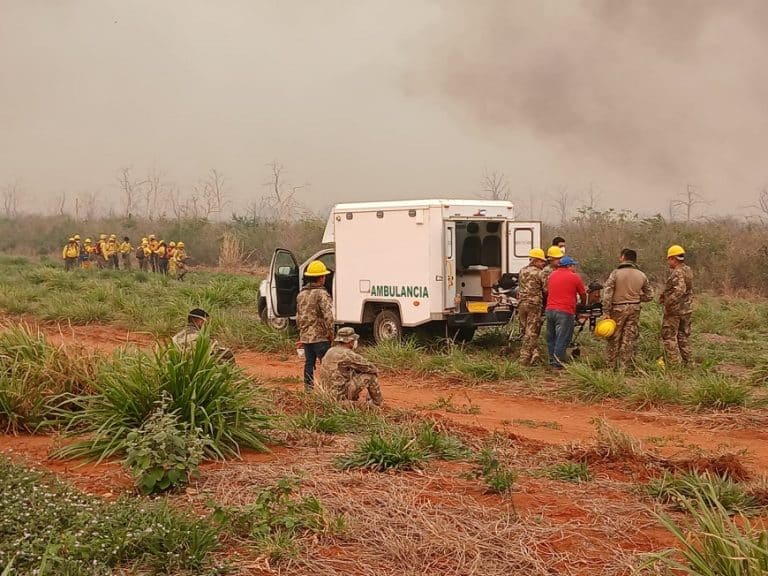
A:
434,523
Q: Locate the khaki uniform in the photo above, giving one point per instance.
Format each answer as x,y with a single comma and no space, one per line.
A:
346,374
625,290
314,314
185,340
678,309
530,311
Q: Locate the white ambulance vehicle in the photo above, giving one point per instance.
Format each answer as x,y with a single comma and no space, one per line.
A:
409,264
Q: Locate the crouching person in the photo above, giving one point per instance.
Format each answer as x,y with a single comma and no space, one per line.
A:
186,338
345,373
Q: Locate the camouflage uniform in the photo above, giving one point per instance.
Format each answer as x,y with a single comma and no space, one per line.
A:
185,340
625,290
314,320
530,309
678,308
346,374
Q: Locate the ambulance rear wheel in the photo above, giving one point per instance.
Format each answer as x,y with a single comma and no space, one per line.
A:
387,326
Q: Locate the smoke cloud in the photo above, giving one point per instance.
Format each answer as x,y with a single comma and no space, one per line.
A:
656,92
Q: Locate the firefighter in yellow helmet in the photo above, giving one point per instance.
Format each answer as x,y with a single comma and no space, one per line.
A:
170,250
126,251
112,252
530,308
70,254
99,250
162,257
146,255
314,319
153,258
180,258
86,254
677,300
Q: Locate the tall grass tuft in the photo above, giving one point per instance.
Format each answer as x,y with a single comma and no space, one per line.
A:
716,391
718,545
209,395
715,491
591,384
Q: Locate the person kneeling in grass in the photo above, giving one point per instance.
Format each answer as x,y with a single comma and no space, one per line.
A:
345,374
186,338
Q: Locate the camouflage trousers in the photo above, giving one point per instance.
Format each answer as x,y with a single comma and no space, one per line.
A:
530,319
351,388
623,343
675,335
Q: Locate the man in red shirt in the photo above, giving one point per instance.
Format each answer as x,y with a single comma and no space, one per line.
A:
565,287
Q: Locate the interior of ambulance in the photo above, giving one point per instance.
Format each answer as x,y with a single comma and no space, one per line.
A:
478,258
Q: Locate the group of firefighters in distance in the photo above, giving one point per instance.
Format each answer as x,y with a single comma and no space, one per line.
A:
152,255
550,290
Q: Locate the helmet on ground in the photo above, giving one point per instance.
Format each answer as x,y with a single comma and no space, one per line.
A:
180,245
537,253
77,236
675,250
605,328
316,269
71,238
172,244
555,252
346,335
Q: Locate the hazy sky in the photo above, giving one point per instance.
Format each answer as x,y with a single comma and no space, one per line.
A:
371,100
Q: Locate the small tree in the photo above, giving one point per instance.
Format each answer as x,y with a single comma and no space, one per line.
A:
495,185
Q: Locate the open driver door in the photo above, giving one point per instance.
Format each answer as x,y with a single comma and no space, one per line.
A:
284,284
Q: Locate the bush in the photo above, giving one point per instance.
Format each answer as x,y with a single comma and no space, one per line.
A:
570,472
277,519
164,453
212,396
395,450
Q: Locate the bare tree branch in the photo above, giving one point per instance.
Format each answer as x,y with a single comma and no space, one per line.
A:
495,185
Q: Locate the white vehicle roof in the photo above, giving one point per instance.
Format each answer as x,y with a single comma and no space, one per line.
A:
432,202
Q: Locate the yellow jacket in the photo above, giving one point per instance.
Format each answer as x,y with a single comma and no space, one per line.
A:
111,247
160,251
126,248
70,251
179,255
153,245
147,251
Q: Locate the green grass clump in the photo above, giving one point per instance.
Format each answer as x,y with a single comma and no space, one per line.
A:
403,448
212,396
396,356
715,391
713,490
716,544
498,478
570,472
46,523
655,390
592,384
324,414
277,521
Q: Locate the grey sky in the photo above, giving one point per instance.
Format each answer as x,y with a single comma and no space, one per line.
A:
387,99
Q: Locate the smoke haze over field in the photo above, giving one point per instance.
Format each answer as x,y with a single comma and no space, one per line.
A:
378,100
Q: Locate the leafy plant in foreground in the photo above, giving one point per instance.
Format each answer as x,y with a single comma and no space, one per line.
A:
211,396
716,491
498,478
164,453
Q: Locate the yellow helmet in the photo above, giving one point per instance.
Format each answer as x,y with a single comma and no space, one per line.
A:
555,252
180,245
151,236
112,237
77,236
87,240
144,240
537,253
172,244
102,236
71,239
675,250
316,269
605,328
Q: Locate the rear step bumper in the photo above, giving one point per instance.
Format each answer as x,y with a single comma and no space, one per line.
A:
467,320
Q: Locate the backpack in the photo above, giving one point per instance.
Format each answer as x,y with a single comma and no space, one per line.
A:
140,253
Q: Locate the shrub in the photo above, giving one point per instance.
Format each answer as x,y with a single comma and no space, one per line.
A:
440,445
212,396
277,519
164,453
395,450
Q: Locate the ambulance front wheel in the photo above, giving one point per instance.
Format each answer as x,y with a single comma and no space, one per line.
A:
387,326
